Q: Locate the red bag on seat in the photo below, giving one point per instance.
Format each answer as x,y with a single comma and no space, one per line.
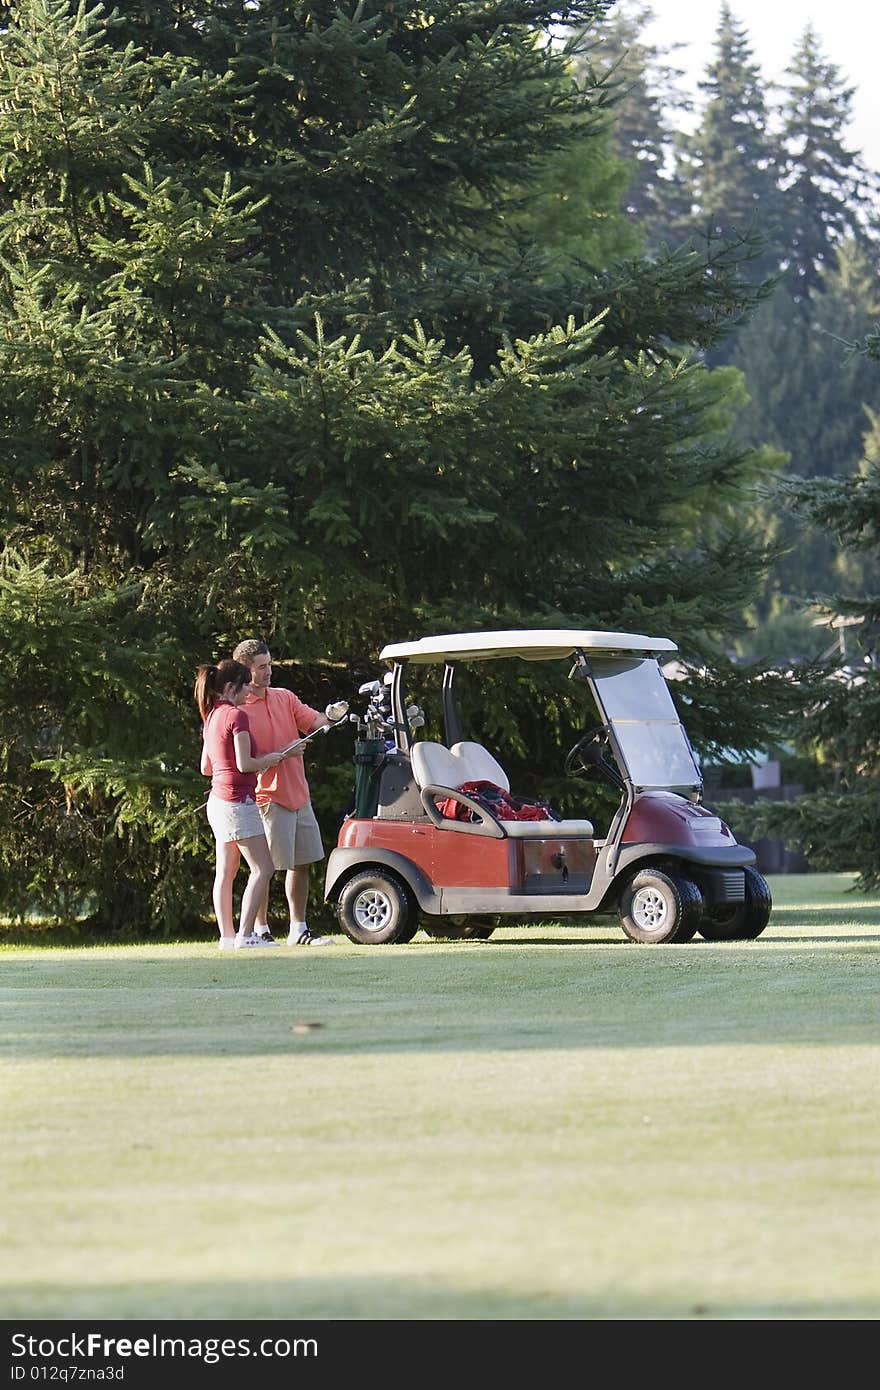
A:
451,809
498,801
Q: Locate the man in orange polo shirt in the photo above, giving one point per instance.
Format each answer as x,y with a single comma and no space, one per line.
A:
277,717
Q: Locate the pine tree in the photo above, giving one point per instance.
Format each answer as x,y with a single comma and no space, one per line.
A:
570,213
645,102
809,401
729,163
839,826
824,182
807,189
274,363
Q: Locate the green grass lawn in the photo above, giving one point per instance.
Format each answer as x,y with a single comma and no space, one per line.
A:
552,1124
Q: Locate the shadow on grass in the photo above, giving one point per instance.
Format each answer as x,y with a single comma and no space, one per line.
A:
583,937
379,1300
467,997
588,930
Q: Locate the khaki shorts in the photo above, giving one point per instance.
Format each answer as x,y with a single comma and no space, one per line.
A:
232,821
294,836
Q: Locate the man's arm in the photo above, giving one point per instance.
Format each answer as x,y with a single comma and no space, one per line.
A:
334,714
304,717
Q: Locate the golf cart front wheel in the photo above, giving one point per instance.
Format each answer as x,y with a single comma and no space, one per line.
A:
376,908
658,907
741,921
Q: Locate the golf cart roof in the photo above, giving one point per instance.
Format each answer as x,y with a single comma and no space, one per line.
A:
537,644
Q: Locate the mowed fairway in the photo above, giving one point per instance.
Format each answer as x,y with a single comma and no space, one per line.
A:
553,1124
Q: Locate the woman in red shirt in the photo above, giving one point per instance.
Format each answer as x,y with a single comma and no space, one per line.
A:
231,760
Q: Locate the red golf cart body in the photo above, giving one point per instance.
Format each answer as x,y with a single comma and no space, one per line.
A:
421,851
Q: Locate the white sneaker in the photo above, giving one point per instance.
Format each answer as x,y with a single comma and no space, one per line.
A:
253,940
226,943
303,937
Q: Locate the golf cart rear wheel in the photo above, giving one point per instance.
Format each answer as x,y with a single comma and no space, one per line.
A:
741,921
442,928
656,906
376,908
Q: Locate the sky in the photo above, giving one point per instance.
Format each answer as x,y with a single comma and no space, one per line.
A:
848,30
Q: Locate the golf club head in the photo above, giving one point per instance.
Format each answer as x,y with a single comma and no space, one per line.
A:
414,717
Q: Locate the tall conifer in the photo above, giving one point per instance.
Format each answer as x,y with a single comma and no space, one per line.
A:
272,364
840,825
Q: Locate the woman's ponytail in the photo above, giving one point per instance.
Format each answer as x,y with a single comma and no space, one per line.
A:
205,689
212,680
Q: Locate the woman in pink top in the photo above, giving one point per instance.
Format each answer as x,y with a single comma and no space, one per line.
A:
231,760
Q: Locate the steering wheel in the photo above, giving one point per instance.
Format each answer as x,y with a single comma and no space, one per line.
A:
580,762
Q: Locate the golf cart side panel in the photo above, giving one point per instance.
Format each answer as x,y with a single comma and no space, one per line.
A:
449,868
342,863
472,862
549,864
521,894
442,857
409,839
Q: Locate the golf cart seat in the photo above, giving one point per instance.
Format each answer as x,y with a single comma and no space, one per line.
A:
482,767
440,771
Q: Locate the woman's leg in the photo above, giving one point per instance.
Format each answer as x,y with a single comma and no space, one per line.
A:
259,861
228,860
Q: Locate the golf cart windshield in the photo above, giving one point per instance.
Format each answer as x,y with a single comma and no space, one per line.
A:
635,700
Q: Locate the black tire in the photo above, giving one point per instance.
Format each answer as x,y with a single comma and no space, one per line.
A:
741,921
657,907
445,930
376,908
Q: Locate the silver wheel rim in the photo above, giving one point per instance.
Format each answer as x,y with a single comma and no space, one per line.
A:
372,910
650,910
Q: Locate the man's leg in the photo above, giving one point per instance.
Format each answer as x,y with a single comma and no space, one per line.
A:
297,845
296,887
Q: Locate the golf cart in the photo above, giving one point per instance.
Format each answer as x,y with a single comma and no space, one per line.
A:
423,839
